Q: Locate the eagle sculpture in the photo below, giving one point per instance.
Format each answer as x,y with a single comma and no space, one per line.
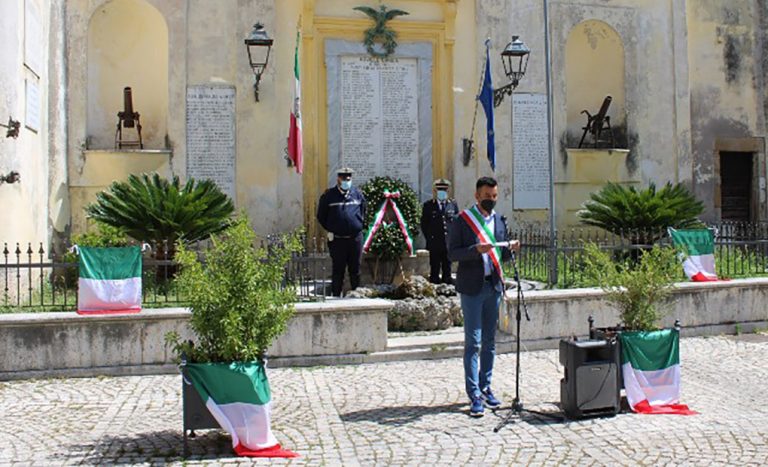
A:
380,30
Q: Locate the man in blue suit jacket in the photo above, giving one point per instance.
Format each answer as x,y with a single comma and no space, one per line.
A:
473,242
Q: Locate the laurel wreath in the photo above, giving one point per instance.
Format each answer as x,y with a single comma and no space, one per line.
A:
389,43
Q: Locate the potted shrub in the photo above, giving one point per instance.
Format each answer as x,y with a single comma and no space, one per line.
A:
636,289
240,303
650,356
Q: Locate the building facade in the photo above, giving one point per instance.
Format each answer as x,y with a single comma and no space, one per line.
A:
686,78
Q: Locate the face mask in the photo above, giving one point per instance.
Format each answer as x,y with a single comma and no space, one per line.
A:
487,205
442,195
346,184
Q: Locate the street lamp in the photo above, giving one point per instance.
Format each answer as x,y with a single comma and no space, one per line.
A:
515,61
258,44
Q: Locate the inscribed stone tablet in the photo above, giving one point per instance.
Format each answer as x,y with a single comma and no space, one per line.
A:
211,135
380,118
530,138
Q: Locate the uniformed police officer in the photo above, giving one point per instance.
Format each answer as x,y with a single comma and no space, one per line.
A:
436,215
341,211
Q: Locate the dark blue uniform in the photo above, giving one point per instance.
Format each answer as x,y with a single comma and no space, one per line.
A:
436,217
342,213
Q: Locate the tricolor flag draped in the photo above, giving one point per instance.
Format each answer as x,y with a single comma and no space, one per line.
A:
294,134
110,280
697,251
650,363
238,397
486,99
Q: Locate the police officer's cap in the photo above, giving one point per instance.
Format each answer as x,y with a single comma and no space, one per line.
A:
441,183
344,171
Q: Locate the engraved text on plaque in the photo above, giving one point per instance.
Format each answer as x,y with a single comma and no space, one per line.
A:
211,135
530,150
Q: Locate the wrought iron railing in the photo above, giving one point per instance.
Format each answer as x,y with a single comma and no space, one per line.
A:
741,249
36,278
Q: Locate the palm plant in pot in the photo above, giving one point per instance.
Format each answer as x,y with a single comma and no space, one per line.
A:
650,357
240,304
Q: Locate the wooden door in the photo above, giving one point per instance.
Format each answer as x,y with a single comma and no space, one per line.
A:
736,186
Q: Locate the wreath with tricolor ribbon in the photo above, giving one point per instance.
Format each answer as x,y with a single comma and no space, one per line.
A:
393,226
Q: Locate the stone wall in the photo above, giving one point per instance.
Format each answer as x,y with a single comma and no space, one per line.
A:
341,331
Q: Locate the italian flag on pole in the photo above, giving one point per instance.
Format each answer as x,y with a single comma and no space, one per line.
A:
238,397
110,280
650,364
294,134
697,251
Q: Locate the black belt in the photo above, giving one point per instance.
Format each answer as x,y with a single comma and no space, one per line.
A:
488,278
344,236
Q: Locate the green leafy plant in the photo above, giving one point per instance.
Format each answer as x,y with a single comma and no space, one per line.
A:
389,243
153,209
642,215
237,295
637,290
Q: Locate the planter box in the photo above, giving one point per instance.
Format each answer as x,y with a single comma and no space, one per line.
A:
196,415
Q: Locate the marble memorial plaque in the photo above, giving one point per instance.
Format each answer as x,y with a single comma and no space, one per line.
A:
530,151
32,104
379,118
211,135
33,37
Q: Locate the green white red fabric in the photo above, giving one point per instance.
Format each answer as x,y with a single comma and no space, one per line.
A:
650,364
378,221
476,222
109,280
697,252
295,149
238,397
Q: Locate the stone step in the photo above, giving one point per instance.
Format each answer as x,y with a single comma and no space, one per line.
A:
409,346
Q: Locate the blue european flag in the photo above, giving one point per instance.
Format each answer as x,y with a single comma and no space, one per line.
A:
486,98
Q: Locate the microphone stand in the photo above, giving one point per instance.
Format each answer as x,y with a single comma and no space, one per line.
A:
517,410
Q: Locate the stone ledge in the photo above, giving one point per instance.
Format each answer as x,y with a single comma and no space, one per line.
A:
66,343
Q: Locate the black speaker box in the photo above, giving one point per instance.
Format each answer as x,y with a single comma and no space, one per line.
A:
590,386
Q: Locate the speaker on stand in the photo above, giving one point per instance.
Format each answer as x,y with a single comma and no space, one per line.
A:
590,386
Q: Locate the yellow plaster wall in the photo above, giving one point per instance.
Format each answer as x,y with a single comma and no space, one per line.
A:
127,46
207,47
588,170
102,167
725,101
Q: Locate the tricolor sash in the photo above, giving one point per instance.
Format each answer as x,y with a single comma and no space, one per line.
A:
476,222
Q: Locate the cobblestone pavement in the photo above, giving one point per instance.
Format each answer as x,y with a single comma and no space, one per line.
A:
399,413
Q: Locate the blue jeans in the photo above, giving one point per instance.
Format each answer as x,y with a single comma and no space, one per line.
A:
481,315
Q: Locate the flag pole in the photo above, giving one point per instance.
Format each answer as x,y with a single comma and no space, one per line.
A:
552,224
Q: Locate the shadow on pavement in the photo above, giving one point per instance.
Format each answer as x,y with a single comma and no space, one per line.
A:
403,415
157,446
